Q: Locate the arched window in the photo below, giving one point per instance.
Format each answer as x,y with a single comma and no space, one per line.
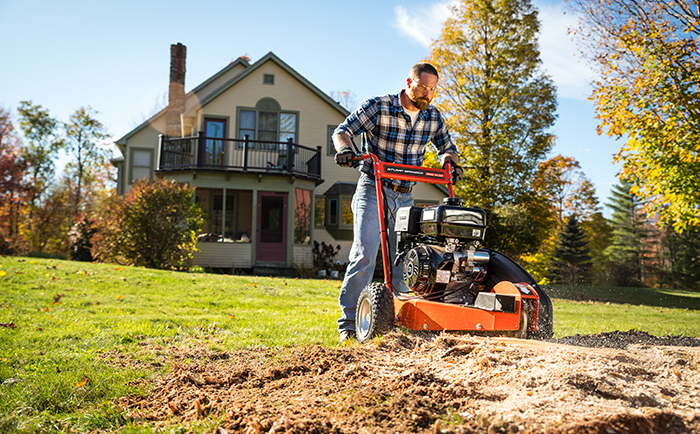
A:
268,122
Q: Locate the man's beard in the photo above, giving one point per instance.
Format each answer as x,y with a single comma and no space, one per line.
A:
420,103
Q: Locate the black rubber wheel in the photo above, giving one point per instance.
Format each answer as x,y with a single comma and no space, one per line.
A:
522,332
503,268
375,312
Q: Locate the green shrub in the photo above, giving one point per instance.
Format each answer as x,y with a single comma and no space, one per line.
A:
154,225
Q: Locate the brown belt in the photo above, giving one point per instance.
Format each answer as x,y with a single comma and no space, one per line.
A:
396,188
390,186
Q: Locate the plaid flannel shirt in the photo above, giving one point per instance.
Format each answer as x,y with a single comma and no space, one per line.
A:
387,132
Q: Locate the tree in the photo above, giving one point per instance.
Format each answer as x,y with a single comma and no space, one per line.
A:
686,261
553,183
647,55
563,191
13,186
84,140
345,98
496,101
625,254
154,225
571,260
39,129
50,219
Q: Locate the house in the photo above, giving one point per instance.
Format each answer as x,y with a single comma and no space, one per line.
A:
254,139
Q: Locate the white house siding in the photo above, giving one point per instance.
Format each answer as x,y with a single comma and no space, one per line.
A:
223,255
303,255
314,114
320,235
215,84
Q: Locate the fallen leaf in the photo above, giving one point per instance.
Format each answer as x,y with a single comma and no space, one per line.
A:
81,272
117,297
8,324
2,273
82,382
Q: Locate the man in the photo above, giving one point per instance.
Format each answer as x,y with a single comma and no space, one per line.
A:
397,129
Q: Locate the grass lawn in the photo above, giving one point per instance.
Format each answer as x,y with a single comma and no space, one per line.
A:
57,317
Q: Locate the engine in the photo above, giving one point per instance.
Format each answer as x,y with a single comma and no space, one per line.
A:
438,247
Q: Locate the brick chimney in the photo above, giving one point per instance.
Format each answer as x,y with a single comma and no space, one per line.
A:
176,93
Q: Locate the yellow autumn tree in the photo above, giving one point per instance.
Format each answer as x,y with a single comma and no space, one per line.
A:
647,56
497,101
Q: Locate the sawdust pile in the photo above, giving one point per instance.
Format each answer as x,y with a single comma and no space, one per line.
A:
630,383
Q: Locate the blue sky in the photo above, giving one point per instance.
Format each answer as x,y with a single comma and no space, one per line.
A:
114,56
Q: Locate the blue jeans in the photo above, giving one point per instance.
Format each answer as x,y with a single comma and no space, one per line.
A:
366,243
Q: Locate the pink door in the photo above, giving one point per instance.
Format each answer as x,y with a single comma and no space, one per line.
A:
271,240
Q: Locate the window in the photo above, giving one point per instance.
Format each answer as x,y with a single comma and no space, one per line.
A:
334,210
246,124
228,216
141,164
267,126
267,122
346,209
331,146
302,216
268,79
214,149
288,127
320,212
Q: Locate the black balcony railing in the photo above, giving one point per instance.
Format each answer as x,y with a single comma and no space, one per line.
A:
201,152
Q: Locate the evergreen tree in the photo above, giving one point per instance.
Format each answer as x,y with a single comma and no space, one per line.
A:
686,258
571,261
625,255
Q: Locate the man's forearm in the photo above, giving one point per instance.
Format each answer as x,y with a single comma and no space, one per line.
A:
340,140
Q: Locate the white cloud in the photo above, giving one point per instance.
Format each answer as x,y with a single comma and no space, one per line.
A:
423,24
558,52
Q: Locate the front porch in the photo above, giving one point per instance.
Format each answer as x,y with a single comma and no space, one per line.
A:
198,153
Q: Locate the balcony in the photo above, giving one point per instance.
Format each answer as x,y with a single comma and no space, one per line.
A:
239,155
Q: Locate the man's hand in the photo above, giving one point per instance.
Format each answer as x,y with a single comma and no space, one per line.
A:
457,172
344,157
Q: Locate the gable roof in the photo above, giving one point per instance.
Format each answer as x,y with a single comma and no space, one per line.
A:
271,57
249,69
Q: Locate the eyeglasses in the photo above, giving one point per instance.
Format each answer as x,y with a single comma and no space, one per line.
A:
423,88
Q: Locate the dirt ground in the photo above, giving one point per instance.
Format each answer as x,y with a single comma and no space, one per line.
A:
620,382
